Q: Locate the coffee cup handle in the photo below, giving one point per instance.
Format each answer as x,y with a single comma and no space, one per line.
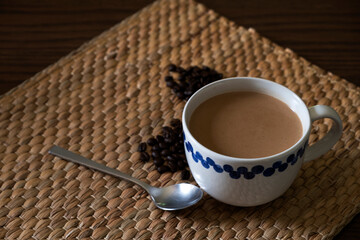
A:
329,140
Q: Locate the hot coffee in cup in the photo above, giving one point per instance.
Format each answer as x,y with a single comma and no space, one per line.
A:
245,125
246,138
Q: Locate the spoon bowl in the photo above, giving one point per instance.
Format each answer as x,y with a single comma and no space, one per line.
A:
174,197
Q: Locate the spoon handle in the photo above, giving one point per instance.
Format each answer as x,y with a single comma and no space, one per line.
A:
73,157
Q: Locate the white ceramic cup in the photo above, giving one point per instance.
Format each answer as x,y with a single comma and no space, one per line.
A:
254,181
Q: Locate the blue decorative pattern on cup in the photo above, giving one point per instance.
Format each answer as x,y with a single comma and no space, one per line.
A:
236,173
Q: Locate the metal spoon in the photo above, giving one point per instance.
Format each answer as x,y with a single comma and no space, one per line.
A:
169,198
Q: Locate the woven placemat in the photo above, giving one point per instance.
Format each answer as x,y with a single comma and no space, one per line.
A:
103,99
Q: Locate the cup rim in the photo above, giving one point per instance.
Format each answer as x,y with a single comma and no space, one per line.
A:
238,159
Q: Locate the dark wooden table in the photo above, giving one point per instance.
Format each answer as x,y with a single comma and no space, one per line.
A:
34,34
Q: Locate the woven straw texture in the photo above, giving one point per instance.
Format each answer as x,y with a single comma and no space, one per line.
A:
103,99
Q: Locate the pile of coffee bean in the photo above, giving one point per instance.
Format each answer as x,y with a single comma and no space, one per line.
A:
167,150
184,82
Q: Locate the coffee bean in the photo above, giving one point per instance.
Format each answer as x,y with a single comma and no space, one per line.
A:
160,138
158,162
156,147
170,158
180,156
169,79
142,147
183,85
169,140
165,152
185,174
181,150
175,123
155,154
181,137
167,134
180,70
180,95
163,169
188,93
178,145
151,141
144,157
182,78
196,77
172,67
178,130
181,165
205,75
218,76
173,166
163,145
172,148
170,84
176,88
166,130
206,69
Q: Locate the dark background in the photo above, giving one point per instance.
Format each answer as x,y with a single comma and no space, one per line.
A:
35,34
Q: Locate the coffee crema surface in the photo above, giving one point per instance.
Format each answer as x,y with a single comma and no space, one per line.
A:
245,125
